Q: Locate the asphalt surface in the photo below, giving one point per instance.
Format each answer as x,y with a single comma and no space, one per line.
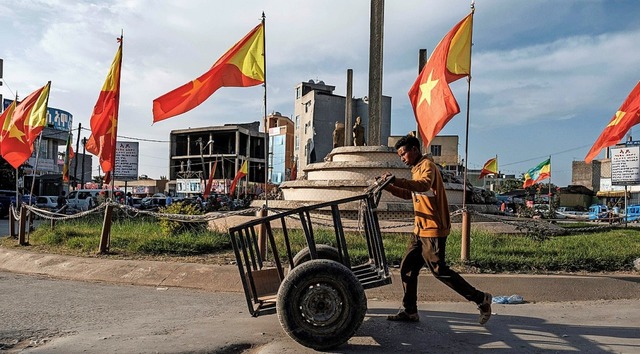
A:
596,313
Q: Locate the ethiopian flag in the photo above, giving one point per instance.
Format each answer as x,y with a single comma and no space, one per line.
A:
242,66
538,173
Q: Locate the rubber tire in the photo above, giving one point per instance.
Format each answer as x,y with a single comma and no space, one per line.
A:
324,252
304,295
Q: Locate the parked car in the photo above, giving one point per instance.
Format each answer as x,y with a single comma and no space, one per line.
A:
598,212
542,211
572,214
152,203
633,213
137,202
48,202
27,199
5,202
83,199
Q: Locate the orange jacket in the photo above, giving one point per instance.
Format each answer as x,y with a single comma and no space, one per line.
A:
430,206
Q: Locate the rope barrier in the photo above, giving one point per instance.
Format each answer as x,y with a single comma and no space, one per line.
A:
536,227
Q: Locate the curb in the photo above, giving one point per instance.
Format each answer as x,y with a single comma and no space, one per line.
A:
225,278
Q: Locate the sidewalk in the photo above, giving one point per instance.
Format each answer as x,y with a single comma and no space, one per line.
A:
226,278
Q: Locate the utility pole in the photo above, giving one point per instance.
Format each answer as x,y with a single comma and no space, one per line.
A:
84,143
75,166
376,35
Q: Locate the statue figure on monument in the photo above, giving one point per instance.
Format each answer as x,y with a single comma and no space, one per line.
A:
338,135
358,133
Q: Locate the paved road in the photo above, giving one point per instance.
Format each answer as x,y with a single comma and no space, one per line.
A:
179,308
42,315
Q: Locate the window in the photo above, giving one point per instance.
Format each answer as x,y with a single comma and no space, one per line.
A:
297,145
297,122
298,92
306,126
436,150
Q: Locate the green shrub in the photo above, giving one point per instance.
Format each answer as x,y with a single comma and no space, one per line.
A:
172,227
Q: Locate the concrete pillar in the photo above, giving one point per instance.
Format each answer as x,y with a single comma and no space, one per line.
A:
376,35
348,110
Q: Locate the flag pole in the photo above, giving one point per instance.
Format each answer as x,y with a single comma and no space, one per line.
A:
75,167
466,222
262,232
549,193
266,129
116,115
18,200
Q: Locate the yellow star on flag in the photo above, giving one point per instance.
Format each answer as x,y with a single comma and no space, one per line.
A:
197,84
14,132
114,125
619,116
426,88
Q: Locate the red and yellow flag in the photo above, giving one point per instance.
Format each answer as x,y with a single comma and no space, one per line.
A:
490,168
104,119
207,187
241,173
242,66
5,118
432,100
27,122
626,117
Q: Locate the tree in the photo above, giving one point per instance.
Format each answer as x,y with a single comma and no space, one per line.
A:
509,185
7,175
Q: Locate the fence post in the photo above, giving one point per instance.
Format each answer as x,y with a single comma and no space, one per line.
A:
23,227
106,230
466,236
262,234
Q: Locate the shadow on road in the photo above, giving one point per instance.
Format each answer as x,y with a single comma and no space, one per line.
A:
451,332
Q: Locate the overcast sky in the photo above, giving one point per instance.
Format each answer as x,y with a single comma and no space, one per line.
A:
548,75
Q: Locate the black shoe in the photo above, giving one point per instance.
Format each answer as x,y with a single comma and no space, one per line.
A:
485,309
403,316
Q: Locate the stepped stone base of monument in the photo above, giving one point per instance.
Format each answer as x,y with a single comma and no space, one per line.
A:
348,171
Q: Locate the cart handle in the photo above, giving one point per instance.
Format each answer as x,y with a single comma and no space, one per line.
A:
375,190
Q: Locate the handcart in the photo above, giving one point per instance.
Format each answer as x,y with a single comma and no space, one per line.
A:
317,293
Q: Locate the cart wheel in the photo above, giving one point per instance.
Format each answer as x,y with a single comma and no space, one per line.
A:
324,252
321,304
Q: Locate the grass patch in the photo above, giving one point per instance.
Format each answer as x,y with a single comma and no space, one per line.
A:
611,250
129,237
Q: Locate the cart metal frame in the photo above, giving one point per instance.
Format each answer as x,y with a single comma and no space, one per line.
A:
261,280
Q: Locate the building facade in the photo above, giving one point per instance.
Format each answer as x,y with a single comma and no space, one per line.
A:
194,152
281,140
316,111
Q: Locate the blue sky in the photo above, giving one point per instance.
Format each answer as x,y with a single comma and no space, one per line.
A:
547,76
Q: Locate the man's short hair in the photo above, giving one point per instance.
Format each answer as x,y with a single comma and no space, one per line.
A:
408,141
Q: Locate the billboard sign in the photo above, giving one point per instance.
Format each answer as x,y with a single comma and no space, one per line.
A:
56,118
126,168
625,165
188,185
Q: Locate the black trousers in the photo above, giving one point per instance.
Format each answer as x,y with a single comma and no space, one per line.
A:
430,251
